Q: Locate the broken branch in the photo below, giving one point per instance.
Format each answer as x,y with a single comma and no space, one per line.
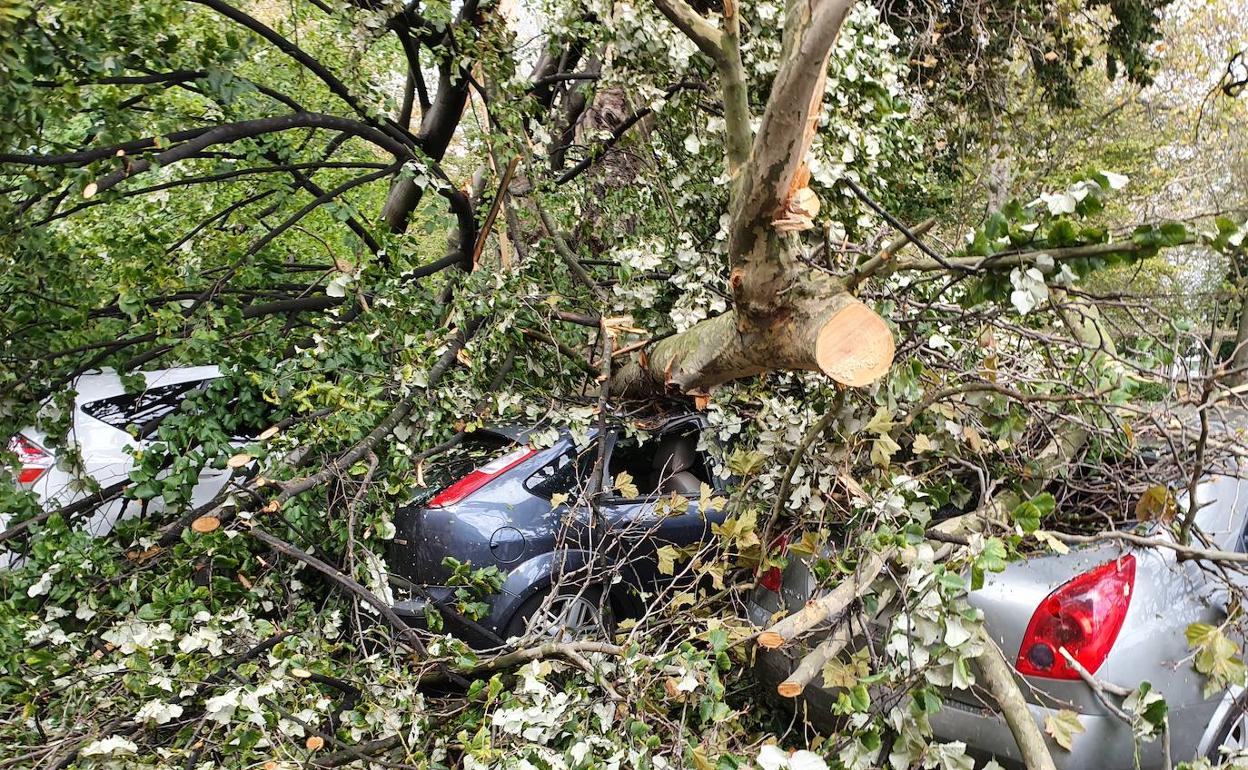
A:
998,675
812,664
820,609
277,545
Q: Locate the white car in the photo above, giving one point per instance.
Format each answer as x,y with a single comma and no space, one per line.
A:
102,412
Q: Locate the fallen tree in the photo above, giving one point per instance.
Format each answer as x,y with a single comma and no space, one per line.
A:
249,197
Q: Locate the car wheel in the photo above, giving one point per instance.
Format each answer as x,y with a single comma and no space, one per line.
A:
568,614
1231,738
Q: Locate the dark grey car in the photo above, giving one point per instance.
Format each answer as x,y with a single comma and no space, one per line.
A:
1130,607
496,501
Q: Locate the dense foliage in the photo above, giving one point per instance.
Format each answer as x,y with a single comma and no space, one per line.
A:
391,223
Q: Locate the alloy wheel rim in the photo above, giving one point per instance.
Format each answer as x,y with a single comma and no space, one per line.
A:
1235,744
565,618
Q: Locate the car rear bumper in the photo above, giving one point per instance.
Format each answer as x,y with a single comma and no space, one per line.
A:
1106,743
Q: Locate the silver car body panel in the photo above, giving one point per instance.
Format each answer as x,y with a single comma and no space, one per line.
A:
1168,596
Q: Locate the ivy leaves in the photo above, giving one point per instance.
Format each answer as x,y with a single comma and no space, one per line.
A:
883,447
1062,726
1028,514
1216,657
625,486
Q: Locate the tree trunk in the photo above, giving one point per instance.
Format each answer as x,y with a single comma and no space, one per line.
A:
785,316
818,327
1239,357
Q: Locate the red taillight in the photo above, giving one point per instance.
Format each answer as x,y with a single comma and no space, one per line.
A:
34,461
1083,615
773,578
480,477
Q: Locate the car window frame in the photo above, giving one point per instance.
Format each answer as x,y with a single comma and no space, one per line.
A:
716,484
571,448
145,429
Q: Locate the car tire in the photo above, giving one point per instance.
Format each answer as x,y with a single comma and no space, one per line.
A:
1232,733
572,613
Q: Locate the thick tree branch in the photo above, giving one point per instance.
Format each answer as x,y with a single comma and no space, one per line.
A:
1008,260
704,35
336,86
82,505
784,317
342,581
224,176
997,674
779,146
247,129
82,157
823,608
732,77
152,78
438,123
812,664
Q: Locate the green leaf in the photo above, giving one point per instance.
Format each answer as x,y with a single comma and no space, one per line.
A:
1227,229
433,619
1027,515
990,559
1215,657
979,246
927,700
1045,503
1199,634
994,555
996,226
1173,233
1062,233
1149,709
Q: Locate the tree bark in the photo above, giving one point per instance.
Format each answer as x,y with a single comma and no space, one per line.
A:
822,608
1239,358
812,664
997,674
785,315
437,127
